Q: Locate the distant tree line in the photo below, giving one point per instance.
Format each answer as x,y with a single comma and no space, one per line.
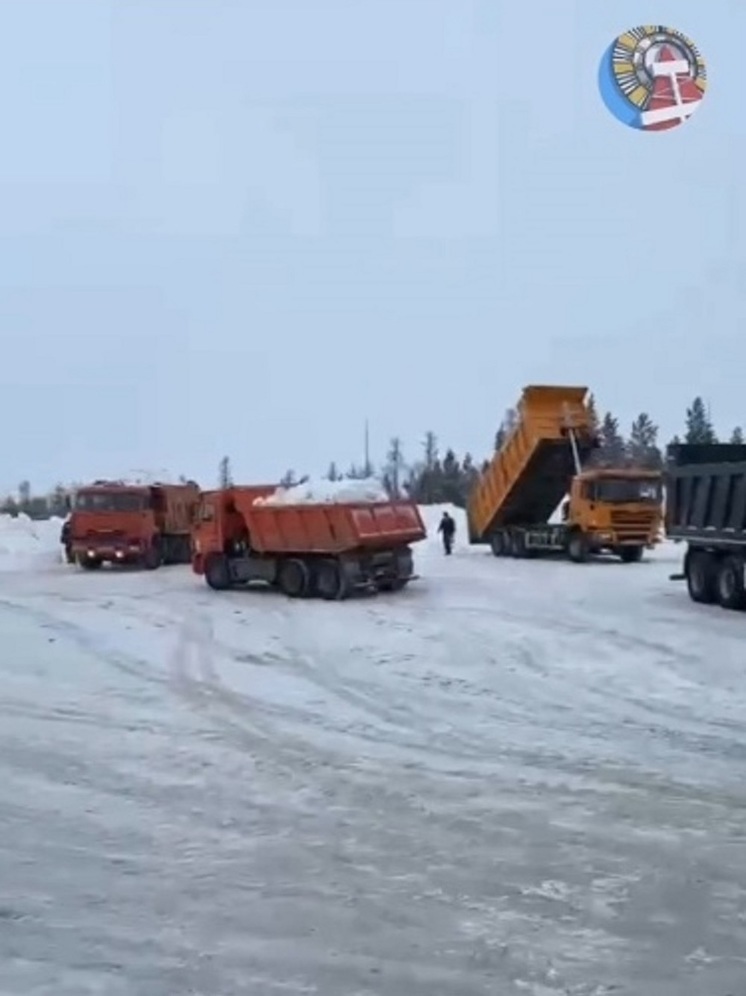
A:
439,475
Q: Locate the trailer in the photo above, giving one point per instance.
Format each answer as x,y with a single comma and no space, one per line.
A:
614,510
324,550
706,509
120,523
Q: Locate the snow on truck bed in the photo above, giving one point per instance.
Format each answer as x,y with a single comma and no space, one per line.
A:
313,492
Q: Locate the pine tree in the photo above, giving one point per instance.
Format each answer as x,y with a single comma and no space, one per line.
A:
611,452
642,447
430,448
698,424
58,502
394,469
469,472
24,495
451,484
288,479
225,478
736,437
332,473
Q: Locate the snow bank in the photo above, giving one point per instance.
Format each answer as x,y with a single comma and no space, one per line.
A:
318,491
29,545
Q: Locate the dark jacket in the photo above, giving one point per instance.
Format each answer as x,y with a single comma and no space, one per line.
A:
447,525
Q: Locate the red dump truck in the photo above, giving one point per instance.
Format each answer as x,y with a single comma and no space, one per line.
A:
322,550
119,523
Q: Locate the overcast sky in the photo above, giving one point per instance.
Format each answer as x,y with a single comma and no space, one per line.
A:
242,227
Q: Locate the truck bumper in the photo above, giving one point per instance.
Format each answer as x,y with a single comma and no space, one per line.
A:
126,553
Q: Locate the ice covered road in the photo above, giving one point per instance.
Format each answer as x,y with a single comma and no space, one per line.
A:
514,778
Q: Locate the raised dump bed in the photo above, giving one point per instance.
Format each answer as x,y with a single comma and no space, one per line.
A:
529,476
327,550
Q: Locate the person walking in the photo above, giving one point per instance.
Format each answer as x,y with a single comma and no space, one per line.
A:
447,530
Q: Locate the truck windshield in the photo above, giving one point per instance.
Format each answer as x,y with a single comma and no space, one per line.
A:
110,501
627,489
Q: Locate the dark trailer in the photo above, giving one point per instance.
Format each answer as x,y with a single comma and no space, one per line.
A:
706,507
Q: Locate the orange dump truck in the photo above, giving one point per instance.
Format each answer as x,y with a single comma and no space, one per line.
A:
120,523
321,550
609,509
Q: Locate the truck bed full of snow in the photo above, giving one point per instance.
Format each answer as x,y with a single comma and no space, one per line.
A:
313,492
515,777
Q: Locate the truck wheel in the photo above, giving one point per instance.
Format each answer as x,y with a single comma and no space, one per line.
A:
293,578
330,582
729,584
630,554
518,546
153,556
700,577
497,544
217,572
577,548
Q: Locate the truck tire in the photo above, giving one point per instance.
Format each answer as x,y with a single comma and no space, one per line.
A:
729,584
217,572
630,554
293,578
497,544
700,572
330,582
577,548
518,546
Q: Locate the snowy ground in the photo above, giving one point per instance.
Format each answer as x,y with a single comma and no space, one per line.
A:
513,778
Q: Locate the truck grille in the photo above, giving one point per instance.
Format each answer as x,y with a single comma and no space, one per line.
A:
632,524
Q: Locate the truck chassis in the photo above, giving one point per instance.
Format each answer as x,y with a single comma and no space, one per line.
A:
313,576
532,541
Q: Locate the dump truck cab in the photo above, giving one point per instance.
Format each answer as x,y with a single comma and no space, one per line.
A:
121,523
219,526
619,510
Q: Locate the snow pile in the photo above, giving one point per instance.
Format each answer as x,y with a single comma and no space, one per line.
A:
29,545
318,492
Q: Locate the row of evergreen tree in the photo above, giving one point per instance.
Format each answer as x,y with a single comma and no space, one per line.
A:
435,479
440,475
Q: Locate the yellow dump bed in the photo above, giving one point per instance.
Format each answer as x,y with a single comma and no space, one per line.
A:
528,478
